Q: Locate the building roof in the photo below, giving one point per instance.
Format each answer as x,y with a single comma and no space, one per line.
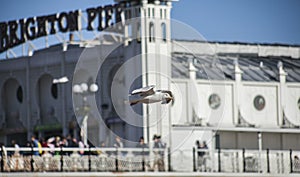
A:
222,67
256,49
217,60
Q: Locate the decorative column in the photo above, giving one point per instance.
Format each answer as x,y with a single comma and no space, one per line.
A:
193,97
281,97
192,70
238,86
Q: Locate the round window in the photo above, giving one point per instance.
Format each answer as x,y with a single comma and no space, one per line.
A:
259,102
214,101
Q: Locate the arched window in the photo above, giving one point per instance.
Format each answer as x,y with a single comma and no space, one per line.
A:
151,32
153,12
149,12
161,15
163,32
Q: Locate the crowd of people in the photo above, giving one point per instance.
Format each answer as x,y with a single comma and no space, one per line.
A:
54,144
71,142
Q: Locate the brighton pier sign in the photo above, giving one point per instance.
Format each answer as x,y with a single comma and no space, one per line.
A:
16,32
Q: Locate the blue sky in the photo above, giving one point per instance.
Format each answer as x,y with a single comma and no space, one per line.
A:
262,21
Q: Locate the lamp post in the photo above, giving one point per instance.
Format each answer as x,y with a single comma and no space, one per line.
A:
61,81
84,90
259,136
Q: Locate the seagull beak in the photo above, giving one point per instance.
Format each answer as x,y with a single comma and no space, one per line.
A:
170,99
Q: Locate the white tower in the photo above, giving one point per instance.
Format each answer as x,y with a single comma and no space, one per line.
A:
148,45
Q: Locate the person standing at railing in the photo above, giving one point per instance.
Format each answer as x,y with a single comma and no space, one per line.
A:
69,140
159,148
296,163
159,144
57,144
118,143
201,151
16,146
27,145
35,144
64,143
200,155
143,145
145,152
81,147
50,144
44,143
74,143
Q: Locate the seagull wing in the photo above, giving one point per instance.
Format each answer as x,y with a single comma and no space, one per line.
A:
149,90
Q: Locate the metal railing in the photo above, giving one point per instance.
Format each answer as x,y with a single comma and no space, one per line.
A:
83,159
145,159
246,161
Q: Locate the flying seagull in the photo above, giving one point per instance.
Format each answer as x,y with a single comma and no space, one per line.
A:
148,95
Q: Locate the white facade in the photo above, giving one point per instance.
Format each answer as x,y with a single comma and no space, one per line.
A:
236,123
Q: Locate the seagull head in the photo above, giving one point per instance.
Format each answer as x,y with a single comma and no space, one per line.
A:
167,97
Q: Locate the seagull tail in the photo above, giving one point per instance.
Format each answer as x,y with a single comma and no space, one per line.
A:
133,103
130,102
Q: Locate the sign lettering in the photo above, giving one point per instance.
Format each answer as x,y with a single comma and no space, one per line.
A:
16,32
